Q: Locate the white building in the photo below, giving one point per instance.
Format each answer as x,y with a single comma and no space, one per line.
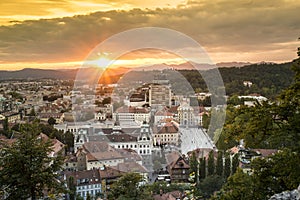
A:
187,115
86,182
132,114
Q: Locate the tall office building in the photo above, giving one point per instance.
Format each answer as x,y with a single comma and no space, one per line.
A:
160,91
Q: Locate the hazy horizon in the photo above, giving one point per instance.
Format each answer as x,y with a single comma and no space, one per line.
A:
50,34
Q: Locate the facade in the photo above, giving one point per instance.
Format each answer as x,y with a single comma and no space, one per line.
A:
94,155
159,95
160,91
187,116
134,167
46,116
12,117
132,114
87,182
177,167
167,134
162,115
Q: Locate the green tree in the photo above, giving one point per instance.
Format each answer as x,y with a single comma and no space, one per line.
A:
6,130
219,166
194,166
157,187
271,175
205,121
235,163
277,173
211,163
227,165
209,185
88,196
72,188
106,100
128,188
51,121
68,139
32,112
202,169
234,100
238,186
26,169
5,125
288,112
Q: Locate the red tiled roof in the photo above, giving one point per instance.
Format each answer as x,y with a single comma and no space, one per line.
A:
266,152
110,173
167,128
130,167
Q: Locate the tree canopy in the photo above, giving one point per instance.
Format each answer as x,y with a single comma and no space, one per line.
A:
128,187
27,169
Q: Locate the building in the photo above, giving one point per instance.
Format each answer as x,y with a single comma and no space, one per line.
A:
57,146
12,117
177,167
187,115
108,175
160,91
140,140
162,115
94,155
46,116
132,114
87,182
167,134
103,112
134,167
70,163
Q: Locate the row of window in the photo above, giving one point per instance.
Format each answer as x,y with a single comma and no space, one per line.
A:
105,162
89,187
132,146
91,192
168,139
165,135
144,151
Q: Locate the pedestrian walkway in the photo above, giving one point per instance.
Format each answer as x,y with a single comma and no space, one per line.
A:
193,138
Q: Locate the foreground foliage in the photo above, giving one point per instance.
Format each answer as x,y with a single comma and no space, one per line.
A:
26,168
267,125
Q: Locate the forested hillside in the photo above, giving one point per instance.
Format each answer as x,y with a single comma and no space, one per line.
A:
268,79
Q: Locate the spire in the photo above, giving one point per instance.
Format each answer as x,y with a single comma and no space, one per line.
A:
117,122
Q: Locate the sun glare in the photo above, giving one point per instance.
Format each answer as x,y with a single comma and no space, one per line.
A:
104,62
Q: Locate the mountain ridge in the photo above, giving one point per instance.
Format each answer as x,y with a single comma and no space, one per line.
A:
36,73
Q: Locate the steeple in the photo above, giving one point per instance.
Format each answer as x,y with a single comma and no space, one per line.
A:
117,128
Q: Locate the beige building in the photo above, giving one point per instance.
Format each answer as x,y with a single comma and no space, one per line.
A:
167,134
159,95
96,155
187,115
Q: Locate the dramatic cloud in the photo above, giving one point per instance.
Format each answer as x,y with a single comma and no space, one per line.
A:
228,29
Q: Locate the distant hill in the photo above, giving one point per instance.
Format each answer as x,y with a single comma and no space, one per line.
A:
268,78
29,73
233,64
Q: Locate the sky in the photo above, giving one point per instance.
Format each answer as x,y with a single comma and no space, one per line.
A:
61,33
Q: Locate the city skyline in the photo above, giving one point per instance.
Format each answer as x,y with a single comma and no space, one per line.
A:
40,34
